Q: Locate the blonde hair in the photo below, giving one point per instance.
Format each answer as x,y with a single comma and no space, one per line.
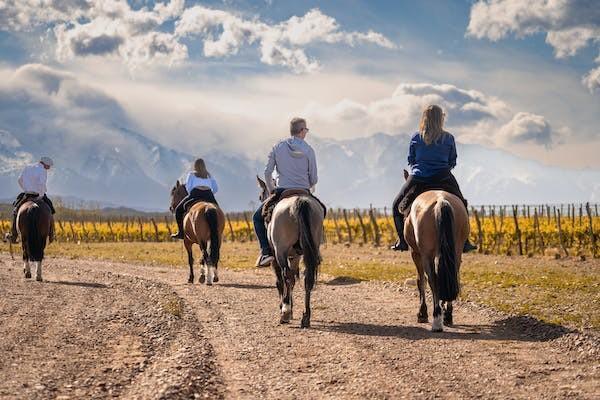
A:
200,169
431,126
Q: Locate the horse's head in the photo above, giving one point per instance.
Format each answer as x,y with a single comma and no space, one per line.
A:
177,194
264,192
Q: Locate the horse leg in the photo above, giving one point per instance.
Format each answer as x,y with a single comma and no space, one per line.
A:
436,326
205,261
448,314
38,271
188,248
278,282
26,267
289,279
422,315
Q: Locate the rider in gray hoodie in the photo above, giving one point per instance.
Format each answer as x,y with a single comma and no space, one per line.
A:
296,167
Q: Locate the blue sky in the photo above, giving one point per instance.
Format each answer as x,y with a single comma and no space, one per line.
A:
509,75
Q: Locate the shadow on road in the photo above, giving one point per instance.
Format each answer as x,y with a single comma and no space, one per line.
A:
343,280
522,328
245,286
82,284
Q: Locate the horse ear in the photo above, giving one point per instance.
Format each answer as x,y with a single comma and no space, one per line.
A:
261,183
405,174
177,184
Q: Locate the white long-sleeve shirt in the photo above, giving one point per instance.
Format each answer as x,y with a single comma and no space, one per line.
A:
193,181
33,179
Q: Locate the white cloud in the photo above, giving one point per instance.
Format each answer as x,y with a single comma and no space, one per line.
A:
140,36
280,44
527,127
570,25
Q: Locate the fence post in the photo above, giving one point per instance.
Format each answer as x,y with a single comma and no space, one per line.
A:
377,235
348,226
155,229
168,224
560,234
592,235
335,223
231,235
479,232
250,236
141,229
362,225
517,230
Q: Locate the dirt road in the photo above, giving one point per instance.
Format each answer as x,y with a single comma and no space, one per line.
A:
101,329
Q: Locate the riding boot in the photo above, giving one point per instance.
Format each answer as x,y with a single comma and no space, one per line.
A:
401,244
469,246
179,234
13,230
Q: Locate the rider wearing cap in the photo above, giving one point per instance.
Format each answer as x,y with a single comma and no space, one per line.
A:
32,181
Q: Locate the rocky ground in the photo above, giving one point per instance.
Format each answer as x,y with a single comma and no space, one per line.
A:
96,329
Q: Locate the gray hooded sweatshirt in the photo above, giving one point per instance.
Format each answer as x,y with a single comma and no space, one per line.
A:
295,162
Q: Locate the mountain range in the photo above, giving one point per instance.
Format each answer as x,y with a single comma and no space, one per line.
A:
101,155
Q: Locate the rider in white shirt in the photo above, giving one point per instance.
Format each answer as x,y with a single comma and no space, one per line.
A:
200,187
32,181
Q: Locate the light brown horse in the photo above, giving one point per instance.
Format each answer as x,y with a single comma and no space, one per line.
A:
203,225
35,224
436,231
295,232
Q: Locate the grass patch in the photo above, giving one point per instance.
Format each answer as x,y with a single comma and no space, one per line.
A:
565,292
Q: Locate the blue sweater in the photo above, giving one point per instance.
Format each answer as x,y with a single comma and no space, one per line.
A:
428,160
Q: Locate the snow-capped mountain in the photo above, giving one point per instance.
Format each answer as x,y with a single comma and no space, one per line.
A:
102,155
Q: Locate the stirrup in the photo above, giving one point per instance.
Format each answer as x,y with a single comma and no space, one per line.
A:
263,260
469,247
178,235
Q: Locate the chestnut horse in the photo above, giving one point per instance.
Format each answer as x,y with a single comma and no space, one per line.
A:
436,230
295,232
203,225
35,224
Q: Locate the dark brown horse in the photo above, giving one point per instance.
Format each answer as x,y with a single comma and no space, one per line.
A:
436,231
203,225
35,224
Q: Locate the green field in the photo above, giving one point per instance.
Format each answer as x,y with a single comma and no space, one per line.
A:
563,291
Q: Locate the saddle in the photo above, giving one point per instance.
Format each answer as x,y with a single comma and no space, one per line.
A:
272,200
24,197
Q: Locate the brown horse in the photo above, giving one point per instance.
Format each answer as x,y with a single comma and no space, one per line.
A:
436,231
203,225
295,232
34,224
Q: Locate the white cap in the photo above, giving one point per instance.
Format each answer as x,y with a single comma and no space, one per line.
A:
47,160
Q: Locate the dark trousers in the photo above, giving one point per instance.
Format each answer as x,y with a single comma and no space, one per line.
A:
260,228
414,186
194,196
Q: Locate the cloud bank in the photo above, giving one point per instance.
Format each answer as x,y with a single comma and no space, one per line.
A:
570,25
158,35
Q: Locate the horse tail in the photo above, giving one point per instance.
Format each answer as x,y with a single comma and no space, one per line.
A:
310,249
35,240
447,271
215,243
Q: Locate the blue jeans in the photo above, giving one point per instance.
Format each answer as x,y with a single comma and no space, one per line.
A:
260,229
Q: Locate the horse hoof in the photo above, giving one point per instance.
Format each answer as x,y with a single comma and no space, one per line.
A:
286,317
27,275
448,320
216,279
39,279
422,319
202,279
436,329
305,323
191,280
209,284
284,320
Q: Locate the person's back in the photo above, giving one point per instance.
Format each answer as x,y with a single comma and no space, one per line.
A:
295,162
427,160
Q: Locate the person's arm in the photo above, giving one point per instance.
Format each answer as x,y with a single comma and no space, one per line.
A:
213,185
43,181
312,168
269,168
412,155
188,182
453,155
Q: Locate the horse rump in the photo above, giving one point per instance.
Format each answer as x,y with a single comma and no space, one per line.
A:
213,225
310,249
35,240
447,271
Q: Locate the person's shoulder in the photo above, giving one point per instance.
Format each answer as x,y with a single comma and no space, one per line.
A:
449,138
416,137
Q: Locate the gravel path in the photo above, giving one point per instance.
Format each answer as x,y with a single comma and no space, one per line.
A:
101,329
